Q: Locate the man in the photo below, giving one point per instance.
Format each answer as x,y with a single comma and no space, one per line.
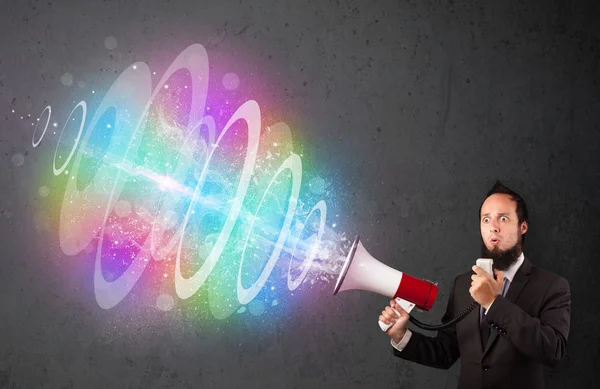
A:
523,318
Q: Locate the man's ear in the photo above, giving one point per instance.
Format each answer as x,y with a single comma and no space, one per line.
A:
524,227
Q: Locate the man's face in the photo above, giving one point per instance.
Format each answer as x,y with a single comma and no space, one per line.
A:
499,224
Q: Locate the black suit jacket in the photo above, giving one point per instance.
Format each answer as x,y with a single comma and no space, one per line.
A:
529,329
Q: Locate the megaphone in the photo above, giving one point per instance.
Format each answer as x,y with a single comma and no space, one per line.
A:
362,271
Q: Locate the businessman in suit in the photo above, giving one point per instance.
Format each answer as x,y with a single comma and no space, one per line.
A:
523,318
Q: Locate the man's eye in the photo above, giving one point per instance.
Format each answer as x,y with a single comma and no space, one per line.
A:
485,219
504,218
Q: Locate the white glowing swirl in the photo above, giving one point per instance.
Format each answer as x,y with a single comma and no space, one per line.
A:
75,236
59,170
195,60
250,112
187,152
33,142
312,253
294,164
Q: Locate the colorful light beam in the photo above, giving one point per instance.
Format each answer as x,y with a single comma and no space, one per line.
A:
152,182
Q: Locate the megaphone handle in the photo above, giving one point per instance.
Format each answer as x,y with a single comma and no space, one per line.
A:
406,305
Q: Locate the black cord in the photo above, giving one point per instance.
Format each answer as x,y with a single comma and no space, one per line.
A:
431,327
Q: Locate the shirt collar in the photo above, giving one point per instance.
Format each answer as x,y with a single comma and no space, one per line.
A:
512,270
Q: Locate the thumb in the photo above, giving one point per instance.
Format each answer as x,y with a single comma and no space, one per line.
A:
398,308
404,315
499,276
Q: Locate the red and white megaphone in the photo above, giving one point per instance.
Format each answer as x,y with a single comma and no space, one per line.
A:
362,271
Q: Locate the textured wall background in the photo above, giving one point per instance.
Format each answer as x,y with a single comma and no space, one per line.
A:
420,106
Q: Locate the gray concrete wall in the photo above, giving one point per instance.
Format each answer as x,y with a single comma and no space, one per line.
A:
410,109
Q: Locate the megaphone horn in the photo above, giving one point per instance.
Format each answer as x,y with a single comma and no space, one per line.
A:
362,271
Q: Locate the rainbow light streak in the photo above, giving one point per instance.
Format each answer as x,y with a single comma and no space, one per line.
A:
163,195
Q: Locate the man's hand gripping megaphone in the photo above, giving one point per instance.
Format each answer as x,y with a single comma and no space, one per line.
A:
394,319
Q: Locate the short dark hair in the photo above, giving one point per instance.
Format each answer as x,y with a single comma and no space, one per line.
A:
521,206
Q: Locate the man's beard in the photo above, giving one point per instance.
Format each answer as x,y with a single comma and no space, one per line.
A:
503,259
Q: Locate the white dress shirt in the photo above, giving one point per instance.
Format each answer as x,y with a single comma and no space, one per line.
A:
509,273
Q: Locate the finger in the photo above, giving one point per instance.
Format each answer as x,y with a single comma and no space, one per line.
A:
390,319
393,303
391,312
480,272
386,315
474,276
488,275
383,319
499,275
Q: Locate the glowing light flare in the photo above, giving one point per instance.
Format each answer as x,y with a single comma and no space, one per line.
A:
163,187
195,61
312,252
91,202
294,164
250,112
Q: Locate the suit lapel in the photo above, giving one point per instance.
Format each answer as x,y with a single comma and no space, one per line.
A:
513,293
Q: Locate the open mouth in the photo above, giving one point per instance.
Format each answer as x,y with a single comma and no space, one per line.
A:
494,241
